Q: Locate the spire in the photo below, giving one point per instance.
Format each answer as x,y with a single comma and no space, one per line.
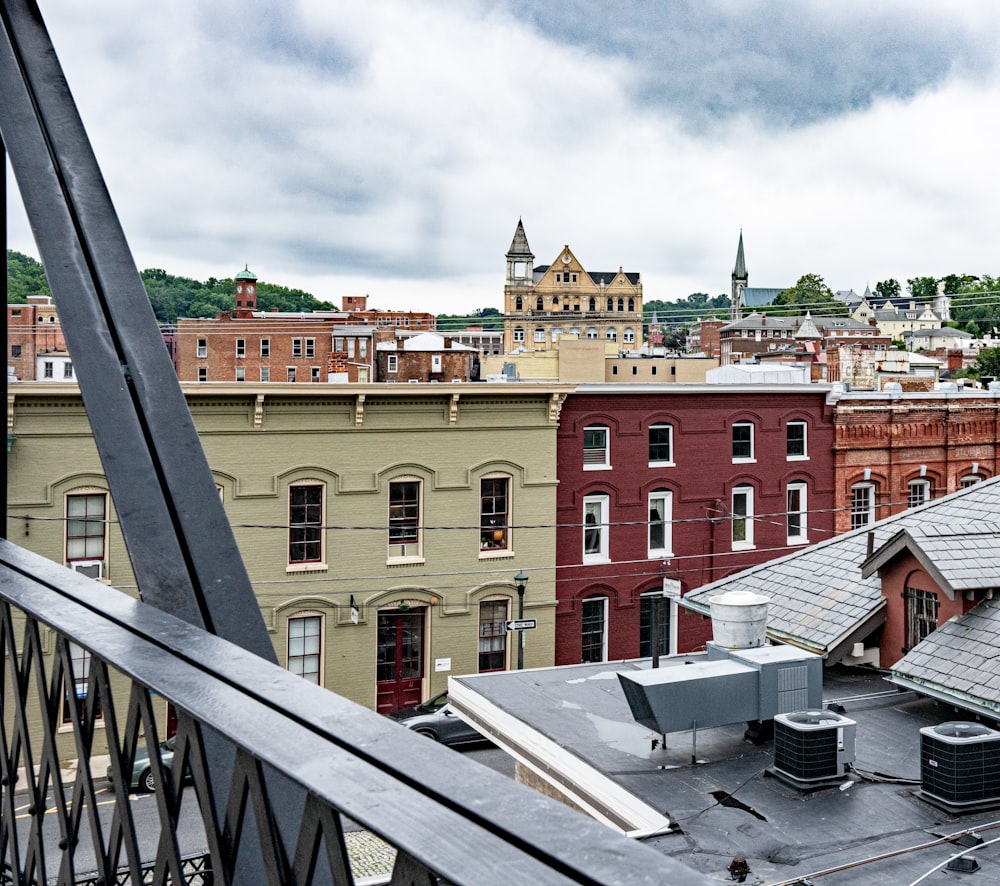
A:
740,271
519,245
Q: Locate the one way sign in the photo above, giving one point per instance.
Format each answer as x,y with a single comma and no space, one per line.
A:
522,624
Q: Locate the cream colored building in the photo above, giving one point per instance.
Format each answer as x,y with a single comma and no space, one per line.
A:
544,303
382,528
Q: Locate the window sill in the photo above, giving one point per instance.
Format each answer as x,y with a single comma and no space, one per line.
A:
797,458
744,461
663,464
307,567
660,555
743,545
589,559
797,541
404,561
597,467
495,554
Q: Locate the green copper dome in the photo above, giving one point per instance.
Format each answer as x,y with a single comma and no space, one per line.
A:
246,274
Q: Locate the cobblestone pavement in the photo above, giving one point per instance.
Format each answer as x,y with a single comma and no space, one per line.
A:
371,858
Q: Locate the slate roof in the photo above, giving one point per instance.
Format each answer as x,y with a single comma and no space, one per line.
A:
958,661
608,277
820,600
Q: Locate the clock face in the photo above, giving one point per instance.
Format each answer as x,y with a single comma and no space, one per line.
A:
250,289
239,288
566,259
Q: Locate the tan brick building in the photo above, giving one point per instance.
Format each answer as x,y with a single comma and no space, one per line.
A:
545,302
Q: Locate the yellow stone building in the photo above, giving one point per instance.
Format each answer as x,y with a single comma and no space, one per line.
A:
543,303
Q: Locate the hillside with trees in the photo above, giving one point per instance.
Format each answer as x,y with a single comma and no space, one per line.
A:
171,296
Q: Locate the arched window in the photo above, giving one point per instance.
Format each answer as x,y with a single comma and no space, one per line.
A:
305,646
593,305
631,304
611,304
518,304
612,334
539,304
621,304
592,332
629,336
594,629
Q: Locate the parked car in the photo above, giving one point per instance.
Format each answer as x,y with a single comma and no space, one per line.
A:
142,775
435,719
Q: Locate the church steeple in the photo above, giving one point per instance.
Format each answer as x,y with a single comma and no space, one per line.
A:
740,280
520,259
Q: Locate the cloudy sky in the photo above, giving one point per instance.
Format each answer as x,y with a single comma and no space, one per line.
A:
390,147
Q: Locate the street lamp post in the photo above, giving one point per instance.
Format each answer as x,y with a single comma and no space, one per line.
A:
520,580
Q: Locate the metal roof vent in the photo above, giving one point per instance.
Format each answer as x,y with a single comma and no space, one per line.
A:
812,749
960,766
739,619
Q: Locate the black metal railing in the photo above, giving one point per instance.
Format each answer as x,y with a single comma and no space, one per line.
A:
448,818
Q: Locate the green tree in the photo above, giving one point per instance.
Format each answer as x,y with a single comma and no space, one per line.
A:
987,364
810,294
25,276
887,288
488,318
922,288
978,302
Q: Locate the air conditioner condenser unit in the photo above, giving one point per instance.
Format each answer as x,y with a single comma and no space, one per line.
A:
812,749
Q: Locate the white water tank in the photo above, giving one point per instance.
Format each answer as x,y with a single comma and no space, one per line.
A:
739,619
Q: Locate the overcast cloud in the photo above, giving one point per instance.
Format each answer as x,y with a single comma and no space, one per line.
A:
390,147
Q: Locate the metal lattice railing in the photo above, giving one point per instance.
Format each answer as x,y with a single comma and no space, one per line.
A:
300,762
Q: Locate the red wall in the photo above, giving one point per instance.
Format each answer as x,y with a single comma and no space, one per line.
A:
703,476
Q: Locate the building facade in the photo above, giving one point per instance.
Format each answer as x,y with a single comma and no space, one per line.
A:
544,302
36,348
896,450
668,488
380,568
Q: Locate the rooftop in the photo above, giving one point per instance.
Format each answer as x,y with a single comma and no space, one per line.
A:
574,724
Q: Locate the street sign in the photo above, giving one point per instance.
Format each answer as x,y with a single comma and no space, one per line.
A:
522,624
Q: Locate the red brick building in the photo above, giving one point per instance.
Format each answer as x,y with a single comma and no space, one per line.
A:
273,346
683,483
427,357
896,450
35,343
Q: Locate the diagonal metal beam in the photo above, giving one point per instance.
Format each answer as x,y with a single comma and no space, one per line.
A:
182,548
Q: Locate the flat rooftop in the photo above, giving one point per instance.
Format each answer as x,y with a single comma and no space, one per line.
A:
706,797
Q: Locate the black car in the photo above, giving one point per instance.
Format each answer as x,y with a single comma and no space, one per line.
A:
435,719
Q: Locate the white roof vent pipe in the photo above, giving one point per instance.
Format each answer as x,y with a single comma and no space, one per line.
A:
739,619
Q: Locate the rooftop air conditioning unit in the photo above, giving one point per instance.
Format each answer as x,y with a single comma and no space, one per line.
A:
960,766
812,749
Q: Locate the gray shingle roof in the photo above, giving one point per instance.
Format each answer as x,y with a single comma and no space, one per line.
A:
959,660
819,596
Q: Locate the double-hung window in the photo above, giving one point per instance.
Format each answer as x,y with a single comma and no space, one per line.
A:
919,493
305,524
661,444
795,513
494,519
202,347
595,528
594,629
742,517
305,647
86,532
743,441
241,348
492,635
795,445
595,448
392,363
296,347
862,505
310,347
265,347
660,536
404,519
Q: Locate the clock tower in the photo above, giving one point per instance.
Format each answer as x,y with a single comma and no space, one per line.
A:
246,290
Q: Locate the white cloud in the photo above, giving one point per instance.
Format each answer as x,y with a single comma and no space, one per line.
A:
390,148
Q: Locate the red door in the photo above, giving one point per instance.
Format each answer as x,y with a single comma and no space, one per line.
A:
400,669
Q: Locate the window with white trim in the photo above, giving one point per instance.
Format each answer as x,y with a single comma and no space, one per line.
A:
628,336
75,690
540,335
241,347
305,647
241,373
918,493
289,373
494,514
202,373
519,334
492,636
742,517
265,373
660,536
743,441
661,444
202,348
595,448
795,442
296,347
970,480
306,505
862,505
392,363
404,519
594,629
592,332
310,347
796,513
596,528
265,347
87,532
